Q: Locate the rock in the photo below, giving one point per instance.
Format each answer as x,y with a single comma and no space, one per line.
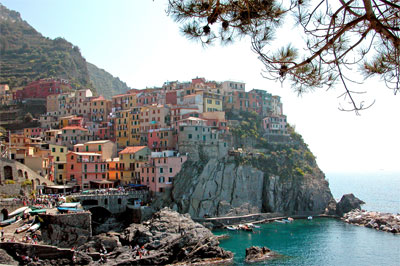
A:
255,254
170,238
221,188
6,259
66,230
347,203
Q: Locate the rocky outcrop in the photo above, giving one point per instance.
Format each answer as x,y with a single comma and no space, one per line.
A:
66,230
347,203
256,254
380,221
6,259
167,238
45,255
226,188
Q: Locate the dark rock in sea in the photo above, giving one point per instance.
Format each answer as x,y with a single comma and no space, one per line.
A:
348,203
256,254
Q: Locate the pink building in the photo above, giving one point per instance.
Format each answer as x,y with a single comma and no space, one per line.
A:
87,170
275,124
158,174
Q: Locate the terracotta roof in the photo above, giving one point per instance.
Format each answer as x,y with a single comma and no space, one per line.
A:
100,98
74,127
132,149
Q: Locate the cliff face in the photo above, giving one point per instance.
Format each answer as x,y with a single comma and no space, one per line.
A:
225,188
264,177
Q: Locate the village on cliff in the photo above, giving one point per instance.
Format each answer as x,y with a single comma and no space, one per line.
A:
137,139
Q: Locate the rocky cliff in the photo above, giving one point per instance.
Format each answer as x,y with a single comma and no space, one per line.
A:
225,188
264,177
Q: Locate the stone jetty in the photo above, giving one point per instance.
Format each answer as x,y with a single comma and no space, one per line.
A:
387,222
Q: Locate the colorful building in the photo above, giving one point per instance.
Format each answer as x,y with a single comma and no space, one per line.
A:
100,109
158,174
43,87
129,160
86,169
59,154
161,139
74,135
106,148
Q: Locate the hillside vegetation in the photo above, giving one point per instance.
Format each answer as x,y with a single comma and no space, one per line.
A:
26,55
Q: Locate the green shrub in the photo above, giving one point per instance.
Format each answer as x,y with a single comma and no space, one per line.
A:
27,182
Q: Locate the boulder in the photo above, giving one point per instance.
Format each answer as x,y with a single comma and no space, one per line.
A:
255,254
6,259
347,203
168,238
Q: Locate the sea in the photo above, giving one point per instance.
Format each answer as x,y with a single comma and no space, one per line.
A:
326,241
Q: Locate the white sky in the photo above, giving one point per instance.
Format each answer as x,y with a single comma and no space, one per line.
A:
137,42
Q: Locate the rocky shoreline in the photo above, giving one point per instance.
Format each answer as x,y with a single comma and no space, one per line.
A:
386,222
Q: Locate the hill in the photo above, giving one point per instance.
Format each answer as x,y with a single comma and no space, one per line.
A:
26,55
106,84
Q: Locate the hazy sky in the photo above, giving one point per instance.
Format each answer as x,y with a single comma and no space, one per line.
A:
137,42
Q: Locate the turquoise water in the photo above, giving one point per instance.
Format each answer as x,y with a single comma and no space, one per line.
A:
329,241
318,242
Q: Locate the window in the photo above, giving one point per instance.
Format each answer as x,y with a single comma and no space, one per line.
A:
53,149
87,148
170,170
217,102
161,170
72,167
61,149
57,158
190,136
99,147
209,101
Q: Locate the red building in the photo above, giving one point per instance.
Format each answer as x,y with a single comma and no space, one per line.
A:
161,139
42,88
170,98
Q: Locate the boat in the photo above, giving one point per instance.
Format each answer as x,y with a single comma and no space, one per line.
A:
283,221
70,207
290,219
37,211
23,228
232,228
34,227
17,211
8,221
253,225
245,227
309,218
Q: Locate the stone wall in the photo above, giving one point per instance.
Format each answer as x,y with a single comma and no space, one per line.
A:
14,190
66,230
20,173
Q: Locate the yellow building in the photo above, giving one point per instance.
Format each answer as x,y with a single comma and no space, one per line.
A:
100,108
124,101
59,154
212,101
134,126
129,160
122,128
